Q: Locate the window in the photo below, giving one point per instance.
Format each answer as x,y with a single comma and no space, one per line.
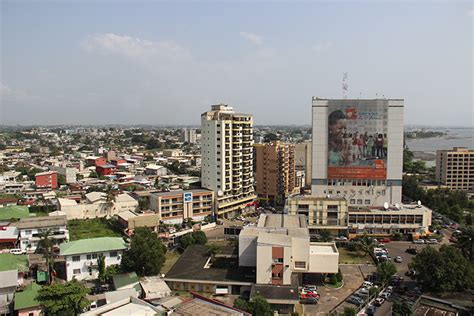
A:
76,258
367,201
352,201
359,201
89,257
76,271
94,256
300,265
113,254
277,260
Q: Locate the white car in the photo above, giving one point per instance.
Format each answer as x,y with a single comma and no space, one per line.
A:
17,251
398,259
367,284
432,241
419,241
385,295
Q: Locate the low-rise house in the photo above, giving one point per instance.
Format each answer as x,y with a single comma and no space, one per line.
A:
154,288
130,220
125,281
8,237
95,161
96,206
105,170
81,255
155,170
26,303
31,228
127,306
7,290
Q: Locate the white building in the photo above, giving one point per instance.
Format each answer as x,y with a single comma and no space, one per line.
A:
358,150
96,205
280,245
30,230
69,173
227,158
189,135
155,170
81,256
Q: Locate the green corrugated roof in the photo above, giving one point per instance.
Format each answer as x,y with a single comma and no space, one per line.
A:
124,279
27,298
9,261
14,211
92,245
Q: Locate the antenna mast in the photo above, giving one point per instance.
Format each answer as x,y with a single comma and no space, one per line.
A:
344,85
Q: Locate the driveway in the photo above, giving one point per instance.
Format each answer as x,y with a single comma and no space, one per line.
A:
330,298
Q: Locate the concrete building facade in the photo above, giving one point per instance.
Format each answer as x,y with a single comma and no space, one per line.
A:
455,168
275,171
175,206
47,179
189,135
357,150
303,160
280,245
227,158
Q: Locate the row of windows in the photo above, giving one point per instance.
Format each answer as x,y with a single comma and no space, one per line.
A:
113,254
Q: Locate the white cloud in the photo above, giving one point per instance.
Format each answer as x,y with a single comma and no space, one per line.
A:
321,47
253,38
132,47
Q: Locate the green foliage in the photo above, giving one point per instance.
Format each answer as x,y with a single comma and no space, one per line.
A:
325,235
349,311
92,228
366,244
333,278
446,270
93,174
351,246
101,264
397,236
146,254
260,306
374,291
270,137
339,276
110,271
194,238
257,306
402,308
61,179
64,299
386,270
187,240
200,237
466,242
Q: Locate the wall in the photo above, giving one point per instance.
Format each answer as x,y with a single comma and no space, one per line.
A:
84,267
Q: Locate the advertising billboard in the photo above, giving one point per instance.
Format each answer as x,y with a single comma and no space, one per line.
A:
357,139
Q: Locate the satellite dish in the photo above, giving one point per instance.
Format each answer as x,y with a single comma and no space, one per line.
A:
397,206
419,203
328,196
220,193
385,205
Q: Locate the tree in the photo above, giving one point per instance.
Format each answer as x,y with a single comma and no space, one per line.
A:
366,245
466,242
270,137
349,311
200,237
93,174
101,265
64,299
325,235
385,271
146,254
260,306
45,247
187,240
402,309
243,305
61,179
443,270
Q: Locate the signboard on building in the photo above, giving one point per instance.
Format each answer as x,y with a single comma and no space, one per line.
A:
187,197
357,139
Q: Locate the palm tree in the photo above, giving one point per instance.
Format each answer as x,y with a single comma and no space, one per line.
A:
466,242
45,246
366,245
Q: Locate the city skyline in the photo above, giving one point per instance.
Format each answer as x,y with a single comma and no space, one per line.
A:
94,64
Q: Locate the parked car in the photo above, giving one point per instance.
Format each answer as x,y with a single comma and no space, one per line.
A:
17,251
412,251
419,241
389,289
367,284
309,300
355,300
398,259
310,288
384,240
453,239
432,241
379,301
371,310
385,295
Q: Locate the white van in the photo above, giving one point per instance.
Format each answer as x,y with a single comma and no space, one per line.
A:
17,251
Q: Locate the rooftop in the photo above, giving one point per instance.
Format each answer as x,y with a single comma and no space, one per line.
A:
27,297
124,279
190,266
281,221
92,245
275,293
9,261
14,211
41,222
9,278
322,248
201,305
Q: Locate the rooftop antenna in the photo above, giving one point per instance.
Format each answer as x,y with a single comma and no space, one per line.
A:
344,85
385,205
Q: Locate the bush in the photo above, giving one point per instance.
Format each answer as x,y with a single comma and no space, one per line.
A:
333,279
351,246
339,276
397,236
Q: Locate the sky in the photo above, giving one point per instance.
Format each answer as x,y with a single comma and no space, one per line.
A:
165,63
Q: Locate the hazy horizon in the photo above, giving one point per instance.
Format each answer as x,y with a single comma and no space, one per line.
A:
165,63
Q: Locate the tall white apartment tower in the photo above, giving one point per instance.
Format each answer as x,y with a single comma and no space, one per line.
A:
227,158
189,135
358,150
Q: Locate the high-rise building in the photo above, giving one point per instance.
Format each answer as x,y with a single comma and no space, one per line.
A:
189,135
455,168
227,158
358,150
303,153
275,171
